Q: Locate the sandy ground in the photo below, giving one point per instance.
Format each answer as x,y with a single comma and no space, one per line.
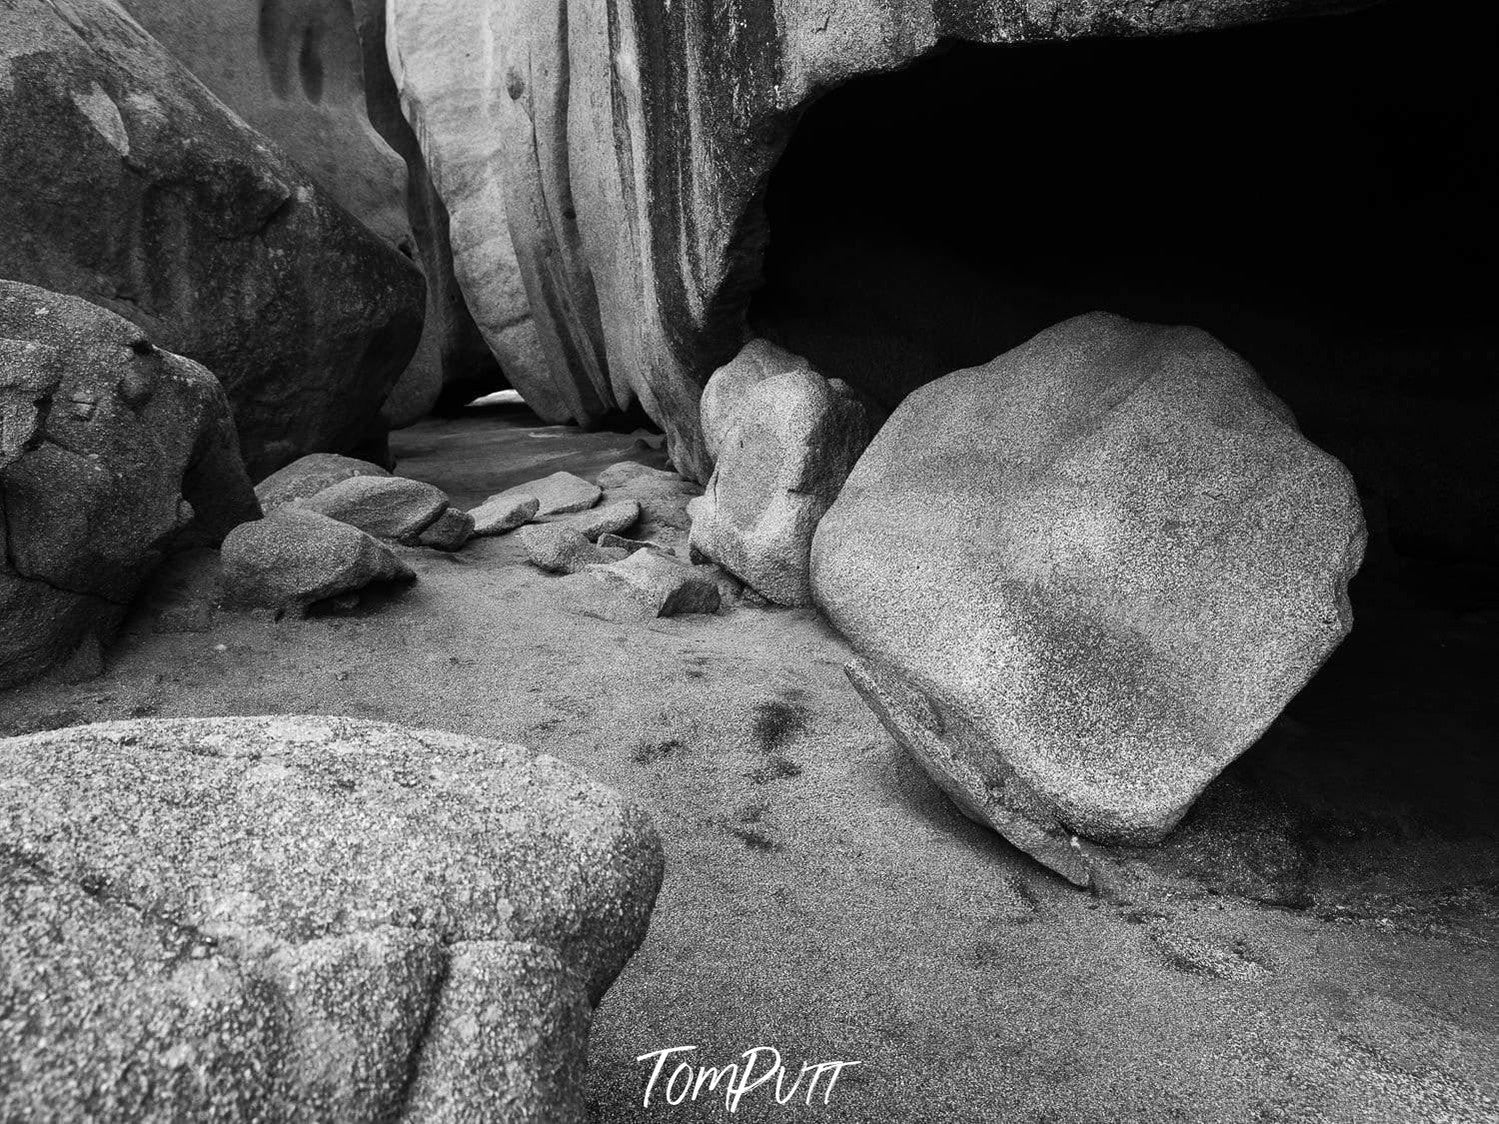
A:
822,897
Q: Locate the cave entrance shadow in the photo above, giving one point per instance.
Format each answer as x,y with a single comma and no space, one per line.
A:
1318,194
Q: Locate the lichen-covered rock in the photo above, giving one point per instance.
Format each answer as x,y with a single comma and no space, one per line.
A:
311,918
1086,576
294,558
784,439
307,476
126,182
609,159
390,507
112,452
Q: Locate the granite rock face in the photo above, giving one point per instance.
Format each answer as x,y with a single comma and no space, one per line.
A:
327,919
294,558
312,76
129,184
1086,576
112,453
784,439
604,162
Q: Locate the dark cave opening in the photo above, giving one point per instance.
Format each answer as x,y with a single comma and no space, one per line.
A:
1319,194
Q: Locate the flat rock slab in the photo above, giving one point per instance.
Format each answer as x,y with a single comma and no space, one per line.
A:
504,512
645,585
606,519
312,918
391,507
663,496
306,476
1086,576
557,494
293,558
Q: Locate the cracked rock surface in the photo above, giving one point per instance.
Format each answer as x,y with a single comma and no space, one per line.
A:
112,453
305,917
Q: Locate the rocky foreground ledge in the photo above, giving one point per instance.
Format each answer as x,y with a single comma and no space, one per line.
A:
306,918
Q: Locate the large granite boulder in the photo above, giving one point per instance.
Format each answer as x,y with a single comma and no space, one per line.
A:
126,182
312,76
306,919
1086,576
784,438
112,452
605,161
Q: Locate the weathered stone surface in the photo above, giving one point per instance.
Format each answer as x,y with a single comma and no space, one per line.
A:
449,531
112,452
606,519
504,512
307,476
560,549
647,584
663,496
323,92
784,439
127,183
293,558
325,919
610,159
1086,576
469,131
557,494
390,507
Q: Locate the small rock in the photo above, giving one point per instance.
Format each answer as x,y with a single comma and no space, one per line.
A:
504,512
294,557
606,520
629,546
663,496
391,507
309,475
450,531
647,584
558,494
559,549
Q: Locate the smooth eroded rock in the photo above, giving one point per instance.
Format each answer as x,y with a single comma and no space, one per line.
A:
1084,577
785,439
311,918
113,452
557,494
560,549
293,558
606,519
